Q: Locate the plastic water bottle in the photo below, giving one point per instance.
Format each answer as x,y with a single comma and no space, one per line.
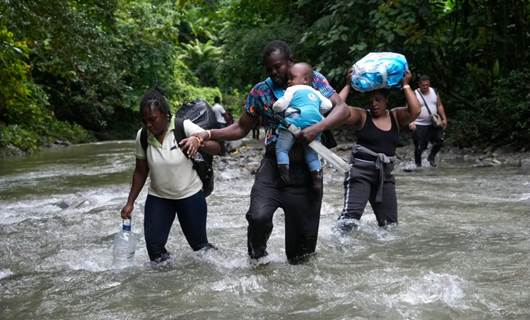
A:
124,246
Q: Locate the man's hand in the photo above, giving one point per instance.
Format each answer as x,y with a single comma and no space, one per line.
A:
412,126
310,133
203,135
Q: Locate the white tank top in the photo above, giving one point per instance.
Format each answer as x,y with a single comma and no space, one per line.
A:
424,119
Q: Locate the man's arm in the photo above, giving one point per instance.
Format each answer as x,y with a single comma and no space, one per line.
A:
235,131
338,115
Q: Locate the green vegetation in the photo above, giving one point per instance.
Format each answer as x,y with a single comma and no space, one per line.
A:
75,69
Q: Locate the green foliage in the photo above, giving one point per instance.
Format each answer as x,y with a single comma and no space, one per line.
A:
467,47
202,59
88,63
25,120
501,118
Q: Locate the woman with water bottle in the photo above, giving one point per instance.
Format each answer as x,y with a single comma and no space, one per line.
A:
175,189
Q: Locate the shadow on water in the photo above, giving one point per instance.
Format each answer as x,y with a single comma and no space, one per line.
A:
461,250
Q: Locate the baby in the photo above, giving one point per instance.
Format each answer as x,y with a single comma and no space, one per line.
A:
301,106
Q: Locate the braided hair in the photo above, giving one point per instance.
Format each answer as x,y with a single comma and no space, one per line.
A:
155,99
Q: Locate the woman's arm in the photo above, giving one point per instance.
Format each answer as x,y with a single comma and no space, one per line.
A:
356,118
347,86
406,115
191,145
139,176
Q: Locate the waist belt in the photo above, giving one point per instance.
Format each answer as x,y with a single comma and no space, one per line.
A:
381,160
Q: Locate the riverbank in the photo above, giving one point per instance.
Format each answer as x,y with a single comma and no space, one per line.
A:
247,153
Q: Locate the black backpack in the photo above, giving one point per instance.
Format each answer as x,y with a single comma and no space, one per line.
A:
200,113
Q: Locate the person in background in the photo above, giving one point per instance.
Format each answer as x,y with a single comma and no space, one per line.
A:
423,129
221,117
220,112
370,177
175,187
297,199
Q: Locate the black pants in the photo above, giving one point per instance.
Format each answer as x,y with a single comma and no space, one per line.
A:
299,202
360,186
159,217
422,136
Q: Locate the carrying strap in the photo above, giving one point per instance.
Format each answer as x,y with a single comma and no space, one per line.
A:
179,130
381,160
426,104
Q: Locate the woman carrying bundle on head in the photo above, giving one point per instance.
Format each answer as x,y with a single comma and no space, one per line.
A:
370,177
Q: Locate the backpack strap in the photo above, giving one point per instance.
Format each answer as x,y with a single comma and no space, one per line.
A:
426,104
179,130
143,139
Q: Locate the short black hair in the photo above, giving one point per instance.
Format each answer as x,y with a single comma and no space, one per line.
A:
383,92
424,78
217,99
277,45
155,99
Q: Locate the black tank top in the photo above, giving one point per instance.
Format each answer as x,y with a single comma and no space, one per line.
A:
378,140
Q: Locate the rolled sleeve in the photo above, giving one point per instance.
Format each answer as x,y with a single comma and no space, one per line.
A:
139,152
252,103
191,128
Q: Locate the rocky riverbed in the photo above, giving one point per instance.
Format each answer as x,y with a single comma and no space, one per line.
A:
247,153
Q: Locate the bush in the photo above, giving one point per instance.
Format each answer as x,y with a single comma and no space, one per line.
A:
501,118
25,120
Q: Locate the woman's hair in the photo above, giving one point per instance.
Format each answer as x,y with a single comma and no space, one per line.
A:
155,99
277,45
382,92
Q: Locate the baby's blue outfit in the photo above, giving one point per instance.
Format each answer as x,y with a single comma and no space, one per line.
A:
301,106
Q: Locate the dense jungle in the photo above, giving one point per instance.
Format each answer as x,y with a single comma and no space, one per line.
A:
73,71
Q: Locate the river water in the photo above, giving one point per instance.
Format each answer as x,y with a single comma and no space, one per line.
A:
461,251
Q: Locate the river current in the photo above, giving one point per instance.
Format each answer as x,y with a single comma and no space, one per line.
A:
461,250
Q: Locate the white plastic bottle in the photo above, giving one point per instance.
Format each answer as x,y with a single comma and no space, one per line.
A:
124,246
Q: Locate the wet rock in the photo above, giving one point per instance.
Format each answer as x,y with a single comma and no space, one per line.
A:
59,144
343,147
525,164
232,146
11,151
486,162
253,167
